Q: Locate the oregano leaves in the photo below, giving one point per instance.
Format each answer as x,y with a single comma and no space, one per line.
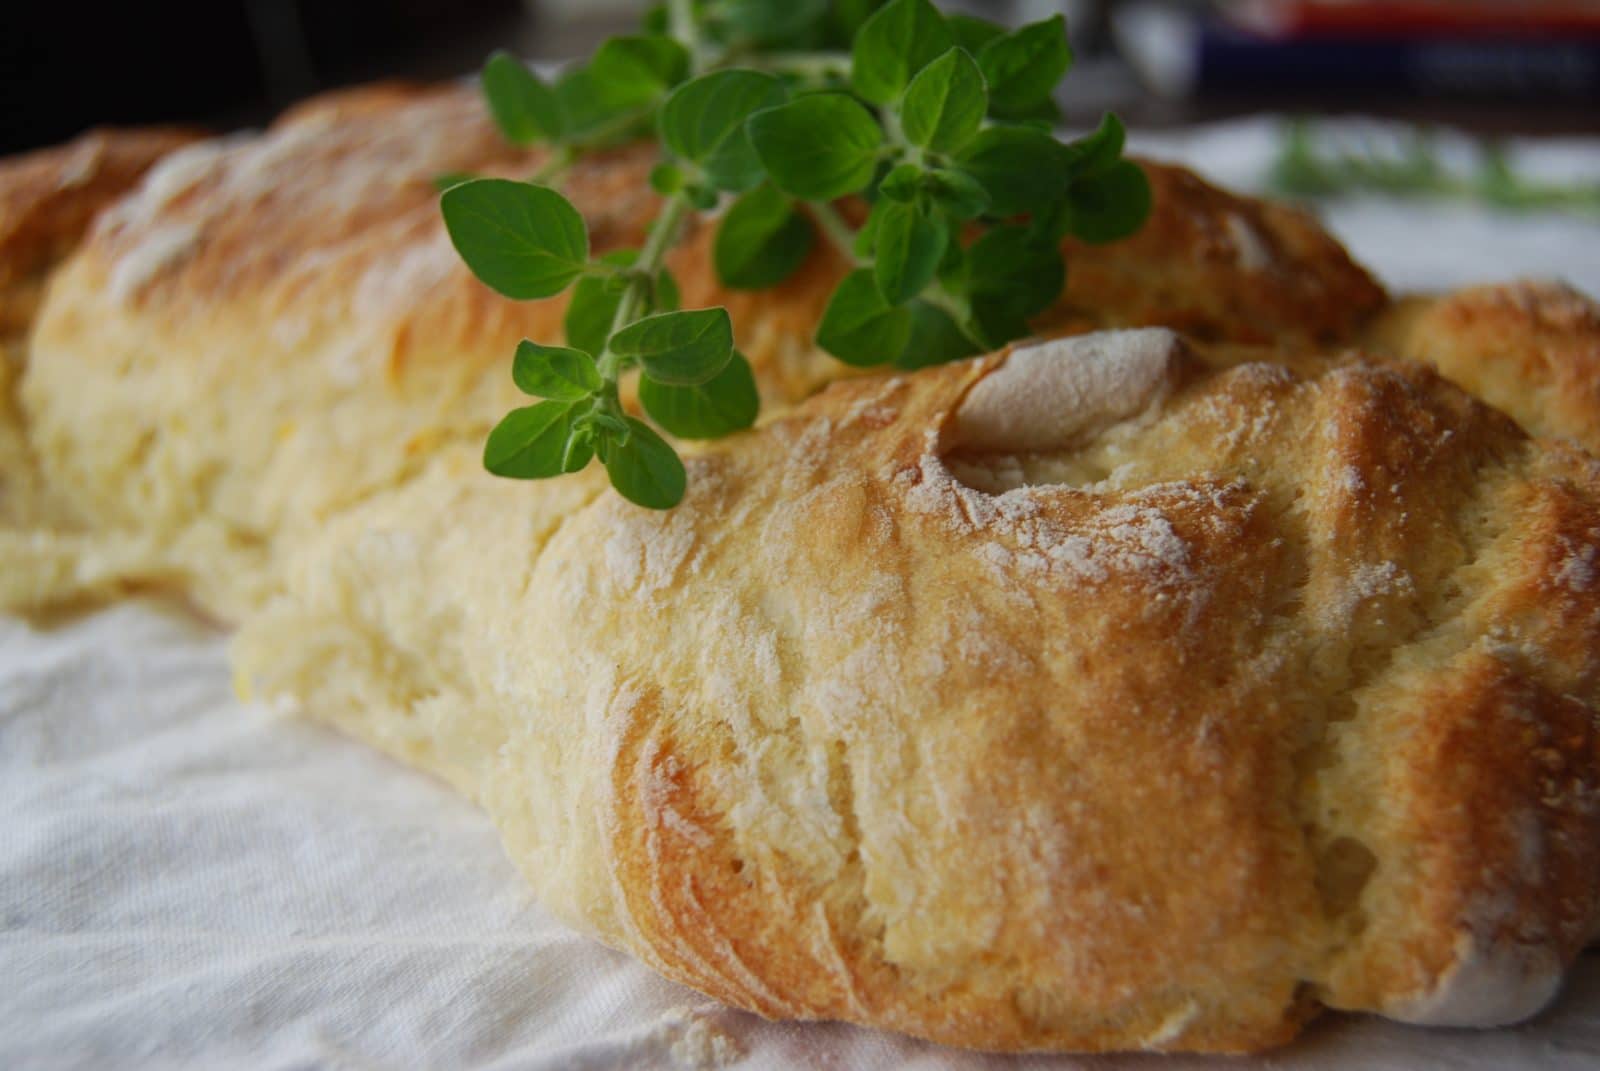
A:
937,124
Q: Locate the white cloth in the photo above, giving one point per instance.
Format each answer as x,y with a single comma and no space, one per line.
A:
189,881
1420,244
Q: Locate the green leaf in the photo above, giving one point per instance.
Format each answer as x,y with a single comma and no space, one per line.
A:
1091,156
866,237
761,241
585,108
846,18
818,147
701,198
859,327
596,297
773,21
1020,168
1012,275
606,100
725,403
957,193
522,240
997,322
532,443
665,297
637,71
935,338
909,245
594,305
902,183
703,121
666,179
945,103
1012,265
554,372
972,33
1099,150
1046,115
1109,204
644,468
953,268
1024,67
524,108
678,348
903,37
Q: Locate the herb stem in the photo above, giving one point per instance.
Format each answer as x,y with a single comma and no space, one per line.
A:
663,233
554,166
835,228
810,66
681,20
1414,169
959,310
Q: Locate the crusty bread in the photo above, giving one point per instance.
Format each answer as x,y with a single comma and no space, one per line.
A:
47,201
1529,348
1221,267
275,326
272,327
1105,694
1097,696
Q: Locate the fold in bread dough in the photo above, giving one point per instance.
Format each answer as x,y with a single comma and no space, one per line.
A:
1047,395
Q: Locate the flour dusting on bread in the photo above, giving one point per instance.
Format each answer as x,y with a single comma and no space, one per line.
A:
1022,534
1045,395
1043,401
1490,982
158,250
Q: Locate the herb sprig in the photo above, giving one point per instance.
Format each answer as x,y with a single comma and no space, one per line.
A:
1414,168
941,125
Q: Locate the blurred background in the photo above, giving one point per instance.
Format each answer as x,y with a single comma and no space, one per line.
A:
1486,66
1475,110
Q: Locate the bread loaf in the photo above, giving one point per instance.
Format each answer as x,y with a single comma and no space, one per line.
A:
1529,348
275,327
1114,692
1154,716
48,199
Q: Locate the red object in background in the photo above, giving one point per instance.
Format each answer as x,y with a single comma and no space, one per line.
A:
1418,18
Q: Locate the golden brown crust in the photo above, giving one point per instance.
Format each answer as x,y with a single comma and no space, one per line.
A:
1149,717
48,199
333,336
343,185
1529,348
1268,686
328,339
1222,267
1367,591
